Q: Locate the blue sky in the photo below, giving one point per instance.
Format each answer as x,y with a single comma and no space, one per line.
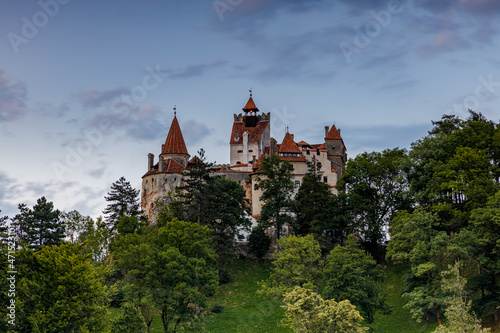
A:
87,87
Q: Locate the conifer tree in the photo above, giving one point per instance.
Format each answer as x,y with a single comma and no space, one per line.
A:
40,225
123,200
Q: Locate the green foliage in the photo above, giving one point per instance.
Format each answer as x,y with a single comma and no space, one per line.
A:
309,313
127,225
377,187
296,263
351,273
485,228
39,226
182,272
217,202
259,242
59,290
460,319
275,181
123,200
315,208
130,321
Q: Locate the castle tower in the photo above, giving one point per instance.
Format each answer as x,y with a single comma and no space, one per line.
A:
175,147
335,148
249,137
167,174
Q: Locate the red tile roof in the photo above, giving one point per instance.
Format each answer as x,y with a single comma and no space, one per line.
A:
174,144
255,132
289,146
169,166
333,134
250,106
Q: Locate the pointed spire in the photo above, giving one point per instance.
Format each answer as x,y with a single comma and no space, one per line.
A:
288,145
250,106
174,144
333,134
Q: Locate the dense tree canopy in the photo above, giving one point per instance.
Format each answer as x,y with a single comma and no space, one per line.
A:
39,226
274,178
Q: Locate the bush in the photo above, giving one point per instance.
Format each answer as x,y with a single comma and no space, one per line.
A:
258,242
130,321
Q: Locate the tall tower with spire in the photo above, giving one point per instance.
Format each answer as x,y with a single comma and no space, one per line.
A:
250,136
167,174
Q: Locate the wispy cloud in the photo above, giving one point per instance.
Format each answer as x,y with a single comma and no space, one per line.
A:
195,70
94,98
13,97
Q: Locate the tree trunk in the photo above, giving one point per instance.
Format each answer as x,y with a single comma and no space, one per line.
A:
438,317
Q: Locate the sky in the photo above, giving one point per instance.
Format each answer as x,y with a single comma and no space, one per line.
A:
87,88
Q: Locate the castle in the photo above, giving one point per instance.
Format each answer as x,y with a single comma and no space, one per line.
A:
249,143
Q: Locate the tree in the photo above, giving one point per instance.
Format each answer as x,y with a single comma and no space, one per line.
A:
308,313
485,227
123,200
225,214
458,311
296,263
59,290
259,242
314,207
182,273
377,187
274,178
75,223
40,225
351,273
415,240
132,254
129,321
192,202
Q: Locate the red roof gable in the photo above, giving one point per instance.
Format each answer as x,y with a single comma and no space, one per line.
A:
250,106
174,144
333,134
169,166
289,146
255,132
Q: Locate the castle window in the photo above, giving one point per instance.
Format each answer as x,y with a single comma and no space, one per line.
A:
308,152
297,183
240,151
317,152
319,164
250,151
325,179
238,162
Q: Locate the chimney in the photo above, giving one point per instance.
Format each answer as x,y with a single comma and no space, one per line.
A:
162,146
327,128
160,164
272,148
151,158
339,132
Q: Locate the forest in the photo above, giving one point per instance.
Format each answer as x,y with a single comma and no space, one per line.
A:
431,213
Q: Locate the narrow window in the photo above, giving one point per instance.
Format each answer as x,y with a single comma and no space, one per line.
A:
297,183
325,179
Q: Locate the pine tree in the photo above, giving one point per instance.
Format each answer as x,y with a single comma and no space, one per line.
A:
123,200
39,226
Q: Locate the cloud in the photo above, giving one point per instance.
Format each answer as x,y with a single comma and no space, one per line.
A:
97,98
194,131
195,70
444,41
50,110
13,96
